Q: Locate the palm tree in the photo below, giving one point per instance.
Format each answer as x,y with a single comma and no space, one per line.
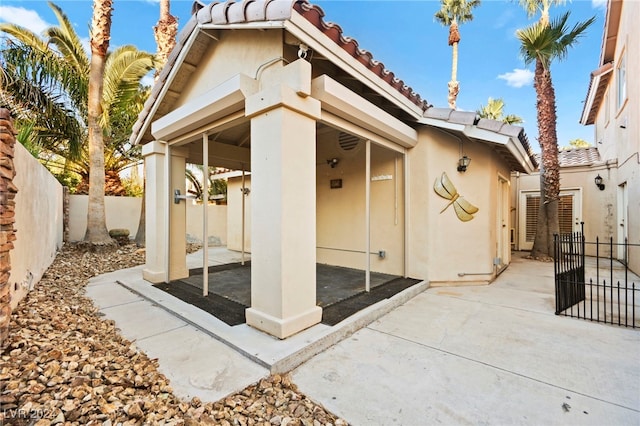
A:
533,6
165,33
542,44
494,110
452,13
46,82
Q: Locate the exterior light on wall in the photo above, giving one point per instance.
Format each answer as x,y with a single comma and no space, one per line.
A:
463,163
333,162
598,180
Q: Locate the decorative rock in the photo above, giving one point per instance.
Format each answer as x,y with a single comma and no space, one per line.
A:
66,361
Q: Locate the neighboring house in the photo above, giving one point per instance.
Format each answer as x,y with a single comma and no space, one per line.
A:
343,156
580,199
612,105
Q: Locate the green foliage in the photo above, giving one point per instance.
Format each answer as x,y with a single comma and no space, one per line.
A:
549,42
578,143
45,82
133,186
494,110
68,178
458,11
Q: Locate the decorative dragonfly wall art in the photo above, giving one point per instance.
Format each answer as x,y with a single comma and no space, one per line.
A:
444,188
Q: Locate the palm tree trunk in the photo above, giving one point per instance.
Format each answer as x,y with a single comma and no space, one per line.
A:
548,218
100,33
454,86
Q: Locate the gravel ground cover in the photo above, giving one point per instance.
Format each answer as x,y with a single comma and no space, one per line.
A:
64,364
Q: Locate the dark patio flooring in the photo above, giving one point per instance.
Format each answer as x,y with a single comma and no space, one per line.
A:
339,291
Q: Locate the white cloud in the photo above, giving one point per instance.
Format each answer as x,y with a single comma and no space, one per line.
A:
26,18
518,77
599,4
148,79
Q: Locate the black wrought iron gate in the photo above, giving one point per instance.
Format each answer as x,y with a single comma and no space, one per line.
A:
569,270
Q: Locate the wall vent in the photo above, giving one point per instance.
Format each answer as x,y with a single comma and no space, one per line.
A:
348,142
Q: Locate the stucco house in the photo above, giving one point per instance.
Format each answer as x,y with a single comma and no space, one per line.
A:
348,165
611,105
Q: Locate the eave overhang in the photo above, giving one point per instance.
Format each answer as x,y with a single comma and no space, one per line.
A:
342,102
508,141
214,104
597,88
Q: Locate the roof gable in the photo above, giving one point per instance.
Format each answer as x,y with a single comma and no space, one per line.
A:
249,14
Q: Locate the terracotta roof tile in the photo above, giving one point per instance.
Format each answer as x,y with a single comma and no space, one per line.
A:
577,157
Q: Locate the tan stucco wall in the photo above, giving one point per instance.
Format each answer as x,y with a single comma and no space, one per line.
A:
597,209
124,212
440,245
38,223
237,52
234,214
121,212
341,228
217,223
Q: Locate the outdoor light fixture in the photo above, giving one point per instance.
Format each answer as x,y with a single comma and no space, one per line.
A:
333,162
598,180
463,163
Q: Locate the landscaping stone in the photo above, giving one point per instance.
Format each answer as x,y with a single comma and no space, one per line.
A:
64,364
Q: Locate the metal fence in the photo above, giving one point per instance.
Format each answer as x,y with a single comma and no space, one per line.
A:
611,293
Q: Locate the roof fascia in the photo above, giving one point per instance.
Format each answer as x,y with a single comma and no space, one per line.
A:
594,86
341,101
218,102
304,30
512,144
259,25
184,51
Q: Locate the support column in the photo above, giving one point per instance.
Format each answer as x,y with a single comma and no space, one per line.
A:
155,198
283,219
159,202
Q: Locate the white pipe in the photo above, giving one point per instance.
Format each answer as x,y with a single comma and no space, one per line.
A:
243,214
167,216
205,214
367,220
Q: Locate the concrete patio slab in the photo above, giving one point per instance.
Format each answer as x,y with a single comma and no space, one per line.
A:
495,354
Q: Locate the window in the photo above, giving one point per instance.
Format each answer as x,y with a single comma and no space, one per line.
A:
565,212
621,78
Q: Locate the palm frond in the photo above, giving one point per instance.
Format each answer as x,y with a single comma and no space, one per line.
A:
124,69
24,36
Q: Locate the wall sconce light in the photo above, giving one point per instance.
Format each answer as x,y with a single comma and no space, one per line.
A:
333,162
463,163
598,180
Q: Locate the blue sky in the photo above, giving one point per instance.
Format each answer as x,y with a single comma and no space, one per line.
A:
405,37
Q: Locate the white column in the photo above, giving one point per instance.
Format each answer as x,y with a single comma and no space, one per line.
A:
205,214
155,207
367,216
283,220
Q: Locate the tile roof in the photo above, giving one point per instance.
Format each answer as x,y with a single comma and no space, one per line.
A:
233,12
577,157
470,118
247,11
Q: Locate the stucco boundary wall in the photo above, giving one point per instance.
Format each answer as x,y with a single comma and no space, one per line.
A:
39,223
124,213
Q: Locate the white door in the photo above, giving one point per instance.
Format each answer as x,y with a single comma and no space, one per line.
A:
623,218
569,211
